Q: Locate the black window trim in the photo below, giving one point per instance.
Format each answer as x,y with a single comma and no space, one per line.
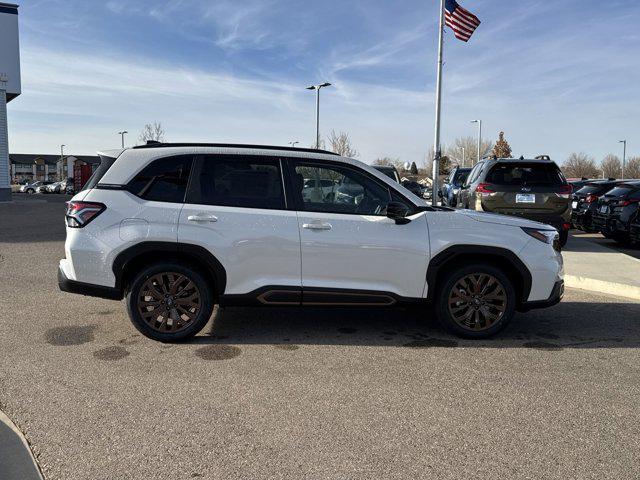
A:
200,157
297,202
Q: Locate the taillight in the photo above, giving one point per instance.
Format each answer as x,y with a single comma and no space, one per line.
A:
80,214
484,188
591,198
565,191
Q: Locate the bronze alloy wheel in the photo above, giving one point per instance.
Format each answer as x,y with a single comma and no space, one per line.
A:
477,301
169,302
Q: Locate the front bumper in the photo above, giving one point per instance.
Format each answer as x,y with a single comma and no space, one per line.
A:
88,289
556,296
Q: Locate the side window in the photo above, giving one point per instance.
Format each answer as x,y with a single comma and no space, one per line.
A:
163,180
347,191
475,173
237,181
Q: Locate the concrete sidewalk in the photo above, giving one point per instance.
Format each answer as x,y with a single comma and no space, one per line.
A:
594,267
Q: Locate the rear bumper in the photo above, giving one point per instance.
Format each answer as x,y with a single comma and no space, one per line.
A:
88,289
556,296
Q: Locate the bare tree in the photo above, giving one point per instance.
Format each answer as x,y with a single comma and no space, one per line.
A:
396,162
152,131
444,167
580,165
611,166
632,168
470,145
341,144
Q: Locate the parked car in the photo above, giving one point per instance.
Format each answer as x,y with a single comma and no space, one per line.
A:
585,200
319,188
616,209
177,228
533,189
414,187
634,227
578,183
31,188
451,187
390,171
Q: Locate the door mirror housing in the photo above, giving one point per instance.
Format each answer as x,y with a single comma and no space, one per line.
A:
398,212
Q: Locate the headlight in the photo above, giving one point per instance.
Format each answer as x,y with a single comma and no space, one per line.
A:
546,236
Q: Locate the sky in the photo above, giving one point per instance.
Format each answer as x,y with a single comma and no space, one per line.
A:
555,76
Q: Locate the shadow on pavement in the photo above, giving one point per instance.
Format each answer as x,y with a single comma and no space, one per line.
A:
568,325
34,219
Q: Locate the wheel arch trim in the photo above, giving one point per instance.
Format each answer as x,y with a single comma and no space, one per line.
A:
456,253
201,255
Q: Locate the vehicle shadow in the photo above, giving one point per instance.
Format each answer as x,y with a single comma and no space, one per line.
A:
567,325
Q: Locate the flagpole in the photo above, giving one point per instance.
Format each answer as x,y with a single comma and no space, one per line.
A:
436,144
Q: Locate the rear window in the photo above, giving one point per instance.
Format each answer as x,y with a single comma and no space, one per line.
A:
619,191
526,174
590,189
96,176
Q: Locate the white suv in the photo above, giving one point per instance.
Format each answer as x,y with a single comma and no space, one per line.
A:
177,228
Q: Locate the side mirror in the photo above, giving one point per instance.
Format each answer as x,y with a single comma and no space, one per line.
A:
398,211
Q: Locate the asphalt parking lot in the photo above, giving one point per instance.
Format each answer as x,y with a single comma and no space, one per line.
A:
308,393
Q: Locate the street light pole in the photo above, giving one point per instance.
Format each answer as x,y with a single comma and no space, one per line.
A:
317,89
624,155
464,157
122,136
62,161
479,122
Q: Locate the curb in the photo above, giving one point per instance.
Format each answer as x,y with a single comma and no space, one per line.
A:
24,468
600,286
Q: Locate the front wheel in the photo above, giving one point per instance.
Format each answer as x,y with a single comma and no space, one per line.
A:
475,301
169,302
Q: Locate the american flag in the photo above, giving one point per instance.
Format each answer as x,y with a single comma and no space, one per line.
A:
461,21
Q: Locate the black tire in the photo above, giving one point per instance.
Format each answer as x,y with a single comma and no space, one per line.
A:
191,327
506,307
564,236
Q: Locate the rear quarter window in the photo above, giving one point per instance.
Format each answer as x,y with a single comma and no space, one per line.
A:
163,180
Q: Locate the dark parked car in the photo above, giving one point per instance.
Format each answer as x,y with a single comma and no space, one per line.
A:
413,187
578,183
452,185
585,202
390,171
616,209
533,189
634,228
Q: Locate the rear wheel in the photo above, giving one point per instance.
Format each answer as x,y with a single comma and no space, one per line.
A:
476,301
169,302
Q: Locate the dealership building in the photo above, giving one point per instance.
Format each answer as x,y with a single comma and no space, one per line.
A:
9,86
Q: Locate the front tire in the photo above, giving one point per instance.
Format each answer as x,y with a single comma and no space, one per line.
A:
169,302
475,301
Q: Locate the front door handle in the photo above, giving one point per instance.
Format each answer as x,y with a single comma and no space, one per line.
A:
317,226
202,218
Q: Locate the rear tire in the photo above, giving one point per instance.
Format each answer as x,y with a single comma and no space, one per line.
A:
475,301
169,302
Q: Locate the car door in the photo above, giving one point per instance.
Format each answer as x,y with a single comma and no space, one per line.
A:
349,245
236,208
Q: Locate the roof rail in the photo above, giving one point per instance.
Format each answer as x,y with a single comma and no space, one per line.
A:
155,144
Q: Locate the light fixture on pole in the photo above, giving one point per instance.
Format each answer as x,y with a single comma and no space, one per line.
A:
624,155
317,89
122,136
293,144
479,122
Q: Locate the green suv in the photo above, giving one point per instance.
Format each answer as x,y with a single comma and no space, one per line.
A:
534,189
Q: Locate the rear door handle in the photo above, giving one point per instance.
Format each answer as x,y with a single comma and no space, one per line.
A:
317,226
202,218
